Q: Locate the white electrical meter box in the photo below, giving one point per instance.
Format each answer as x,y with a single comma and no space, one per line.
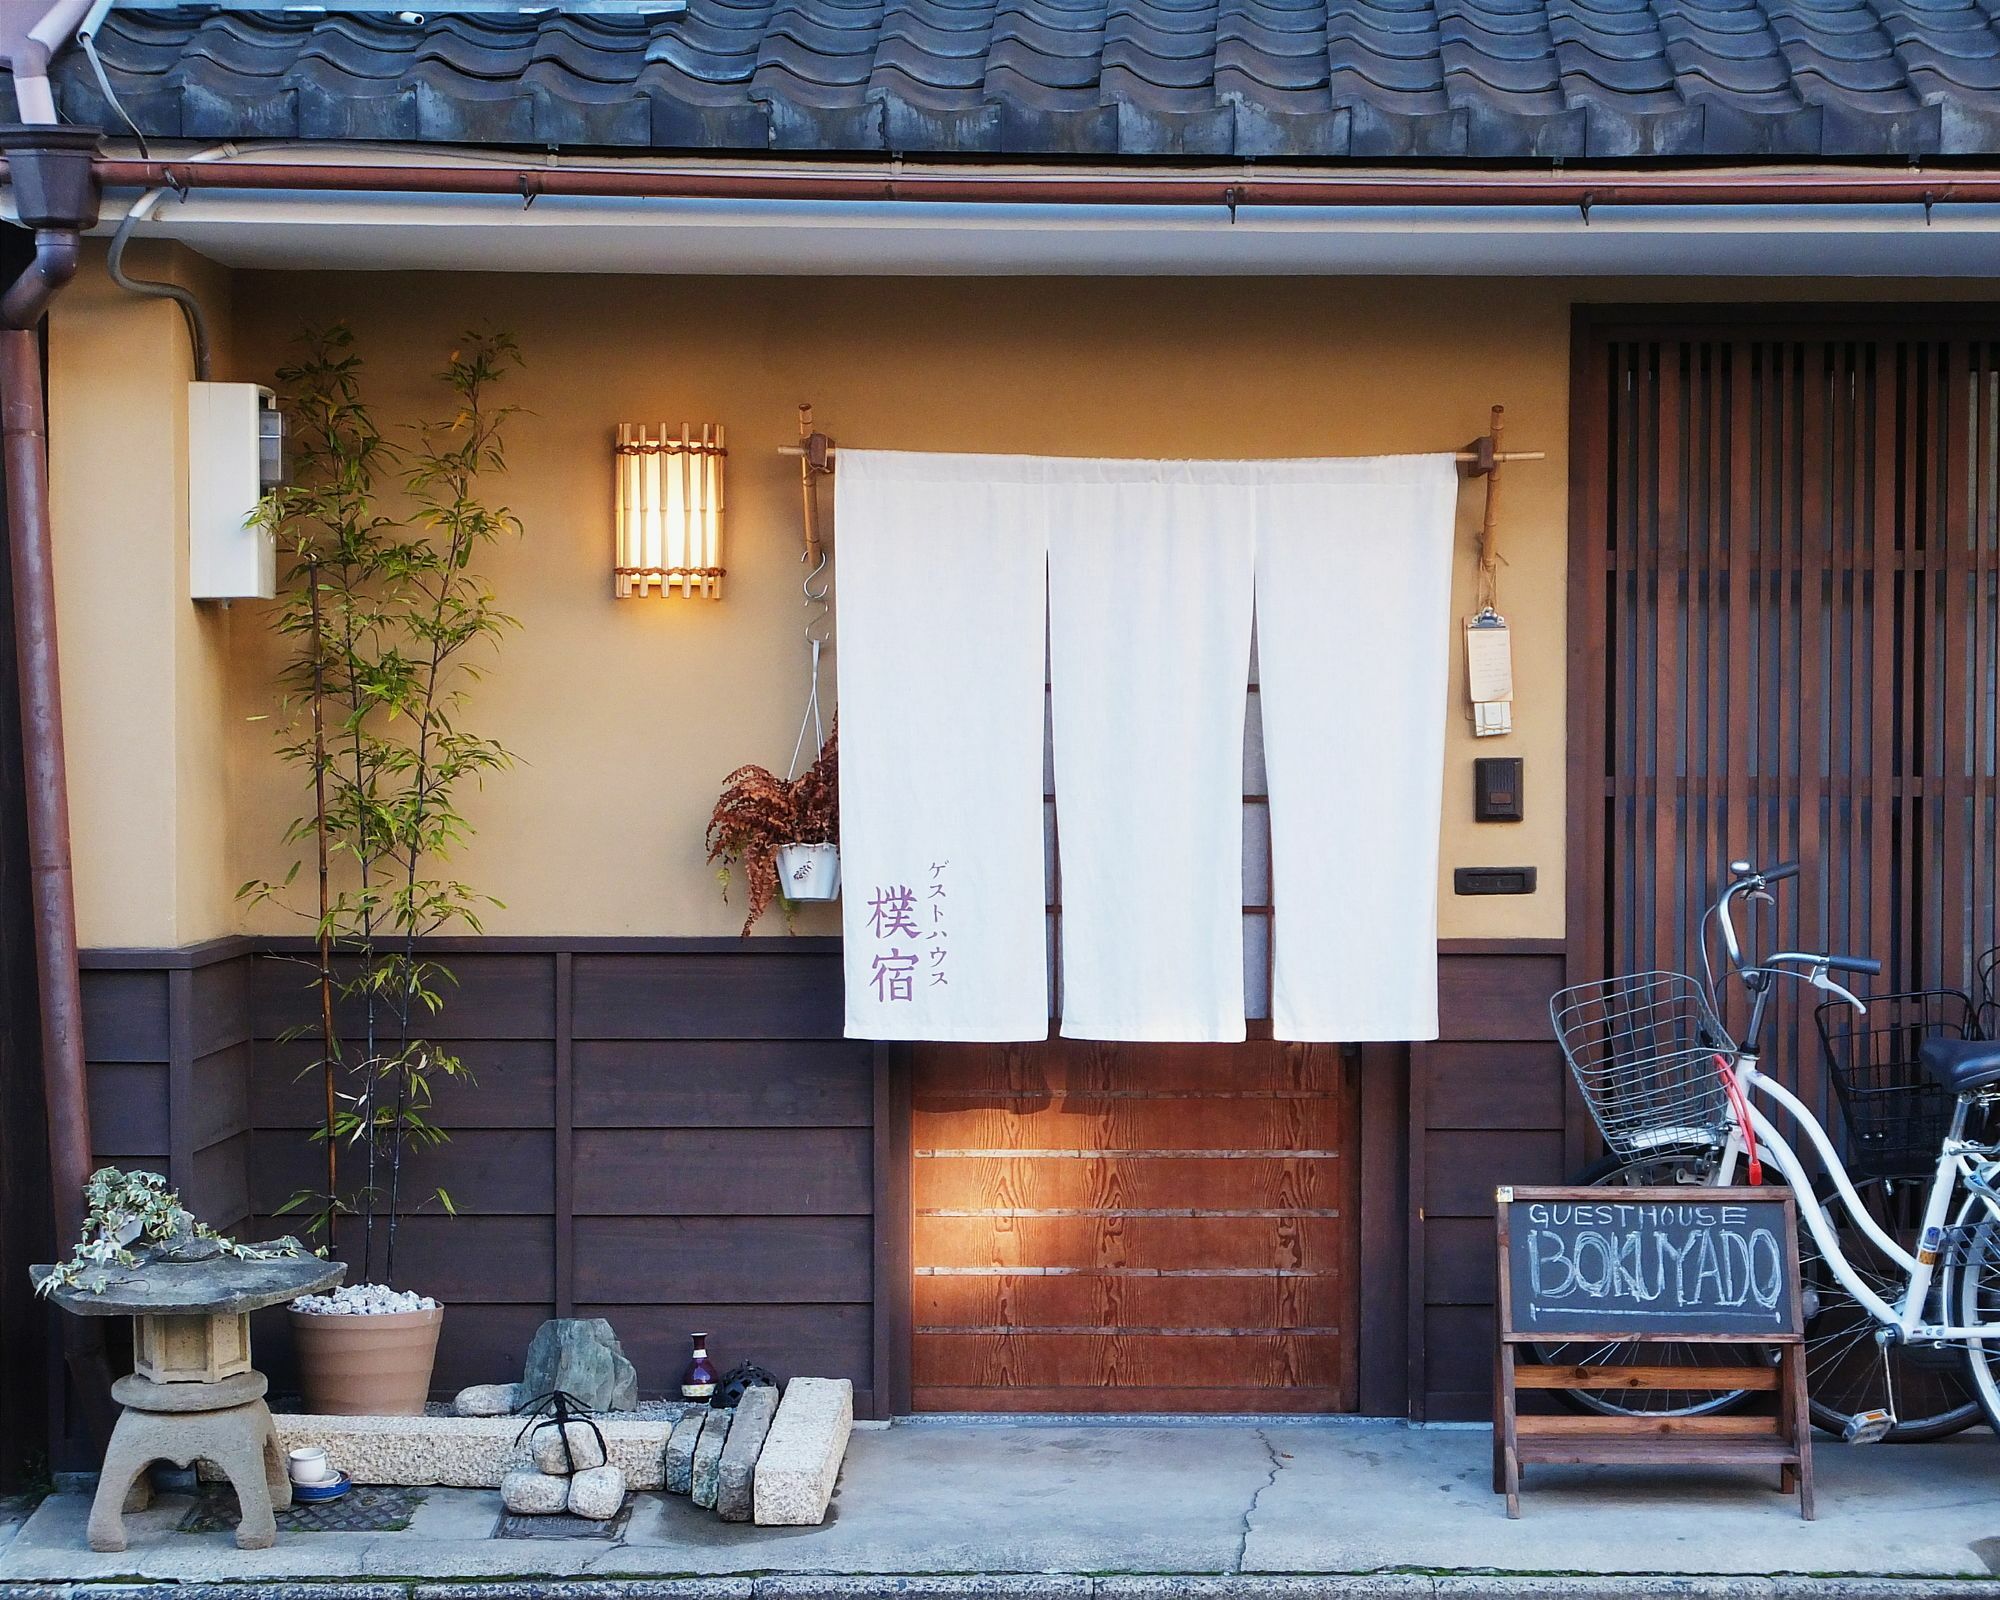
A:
235,453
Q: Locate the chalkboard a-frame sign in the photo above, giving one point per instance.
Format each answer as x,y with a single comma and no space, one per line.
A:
1589,1267
1616,1266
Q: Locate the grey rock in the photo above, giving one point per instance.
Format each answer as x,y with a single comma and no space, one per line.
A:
737,1468
597,1493
585,1449
183,1247
680,1453
486,1400
530,1493
708,1457
582,1357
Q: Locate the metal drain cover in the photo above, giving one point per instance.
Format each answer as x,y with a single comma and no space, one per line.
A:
363,1509
561,1525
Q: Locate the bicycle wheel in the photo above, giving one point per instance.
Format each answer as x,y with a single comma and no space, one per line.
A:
1976,1295
1848,1369
1658,1169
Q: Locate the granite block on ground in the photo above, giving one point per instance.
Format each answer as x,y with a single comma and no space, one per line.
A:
678,1470
802,1453
737,1469
708,1457
460,1452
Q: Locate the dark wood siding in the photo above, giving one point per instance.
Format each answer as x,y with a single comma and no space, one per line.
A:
745,1171
167,1038
1487,1106
672,1136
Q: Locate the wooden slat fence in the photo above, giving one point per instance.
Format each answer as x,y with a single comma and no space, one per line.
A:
1784,555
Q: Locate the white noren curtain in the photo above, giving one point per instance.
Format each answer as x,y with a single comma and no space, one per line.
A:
941,632
1353,655
1143,576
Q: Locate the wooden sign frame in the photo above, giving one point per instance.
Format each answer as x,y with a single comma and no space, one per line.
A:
1783,1441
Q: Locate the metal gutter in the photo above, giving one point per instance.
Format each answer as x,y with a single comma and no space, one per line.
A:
527,180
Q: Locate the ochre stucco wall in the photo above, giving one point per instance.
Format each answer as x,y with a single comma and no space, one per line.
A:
145,673
626,715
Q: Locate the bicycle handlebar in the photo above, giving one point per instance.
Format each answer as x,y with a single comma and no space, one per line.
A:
1749,880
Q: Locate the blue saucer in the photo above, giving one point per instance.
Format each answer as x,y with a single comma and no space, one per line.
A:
310,1493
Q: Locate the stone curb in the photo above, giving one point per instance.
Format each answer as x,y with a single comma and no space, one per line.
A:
588,1589
969,1586
1051,1586
1239,1586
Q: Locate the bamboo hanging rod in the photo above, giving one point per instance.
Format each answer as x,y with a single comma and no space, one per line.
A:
815,453
1481,461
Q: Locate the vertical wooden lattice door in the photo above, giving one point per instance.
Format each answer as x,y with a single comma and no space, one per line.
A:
1784,547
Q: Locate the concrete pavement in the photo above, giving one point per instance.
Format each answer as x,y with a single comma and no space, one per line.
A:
1086,1511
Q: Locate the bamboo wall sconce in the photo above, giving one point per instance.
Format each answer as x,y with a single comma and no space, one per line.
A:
669,526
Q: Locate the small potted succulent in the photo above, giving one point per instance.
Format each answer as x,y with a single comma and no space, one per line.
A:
782,833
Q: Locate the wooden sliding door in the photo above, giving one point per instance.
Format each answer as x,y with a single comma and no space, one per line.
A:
1785,535
1140,1228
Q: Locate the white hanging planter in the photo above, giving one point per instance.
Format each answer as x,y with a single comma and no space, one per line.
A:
809,871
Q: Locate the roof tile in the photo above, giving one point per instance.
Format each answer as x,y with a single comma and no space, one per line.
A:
1320,80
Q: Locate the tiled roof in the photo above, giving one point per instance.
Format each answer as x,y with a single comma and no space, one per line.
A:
1315,79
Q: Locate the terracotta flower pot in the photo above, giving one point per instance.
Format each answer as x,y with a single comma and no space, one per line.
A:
360,1366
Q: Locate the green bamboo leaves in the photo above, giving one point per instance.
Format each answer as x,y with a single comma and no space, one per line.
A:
386,625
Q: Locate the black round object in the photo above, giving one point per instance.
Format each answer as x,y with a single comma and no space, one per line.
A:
746,1376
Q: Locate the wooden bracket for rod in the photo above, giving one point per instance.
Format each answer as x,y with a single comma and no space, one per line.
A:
815,453
1484,458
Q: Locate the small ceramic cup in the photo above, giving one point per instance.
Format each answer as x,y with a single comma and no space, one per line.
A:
309,1466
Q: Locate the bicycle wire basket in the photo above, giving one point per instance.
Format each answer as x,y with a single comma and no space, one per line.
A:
1642,1049
1897,1115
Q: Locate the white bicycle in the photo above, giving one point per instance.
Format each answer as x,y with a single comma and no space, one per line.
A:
1900,1260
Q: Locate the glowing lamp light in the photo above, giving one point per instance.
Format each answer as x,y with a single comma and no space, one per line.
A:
669,511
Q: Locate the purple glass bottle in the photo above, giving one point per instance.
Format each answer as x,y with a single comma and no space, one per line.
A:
698,1382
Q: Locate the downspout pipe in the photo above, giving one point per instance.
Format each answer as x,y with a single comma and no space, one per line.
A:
57,196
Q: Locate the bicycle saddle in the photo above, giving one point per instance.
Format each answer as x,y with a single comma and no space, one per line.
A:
1961,1065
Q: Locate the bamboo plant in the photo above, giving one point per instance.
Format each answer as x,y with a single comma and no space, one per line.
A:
381,615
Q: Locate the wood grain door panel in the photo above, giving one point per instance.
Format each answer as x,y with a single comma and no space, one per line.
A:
1134,1227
